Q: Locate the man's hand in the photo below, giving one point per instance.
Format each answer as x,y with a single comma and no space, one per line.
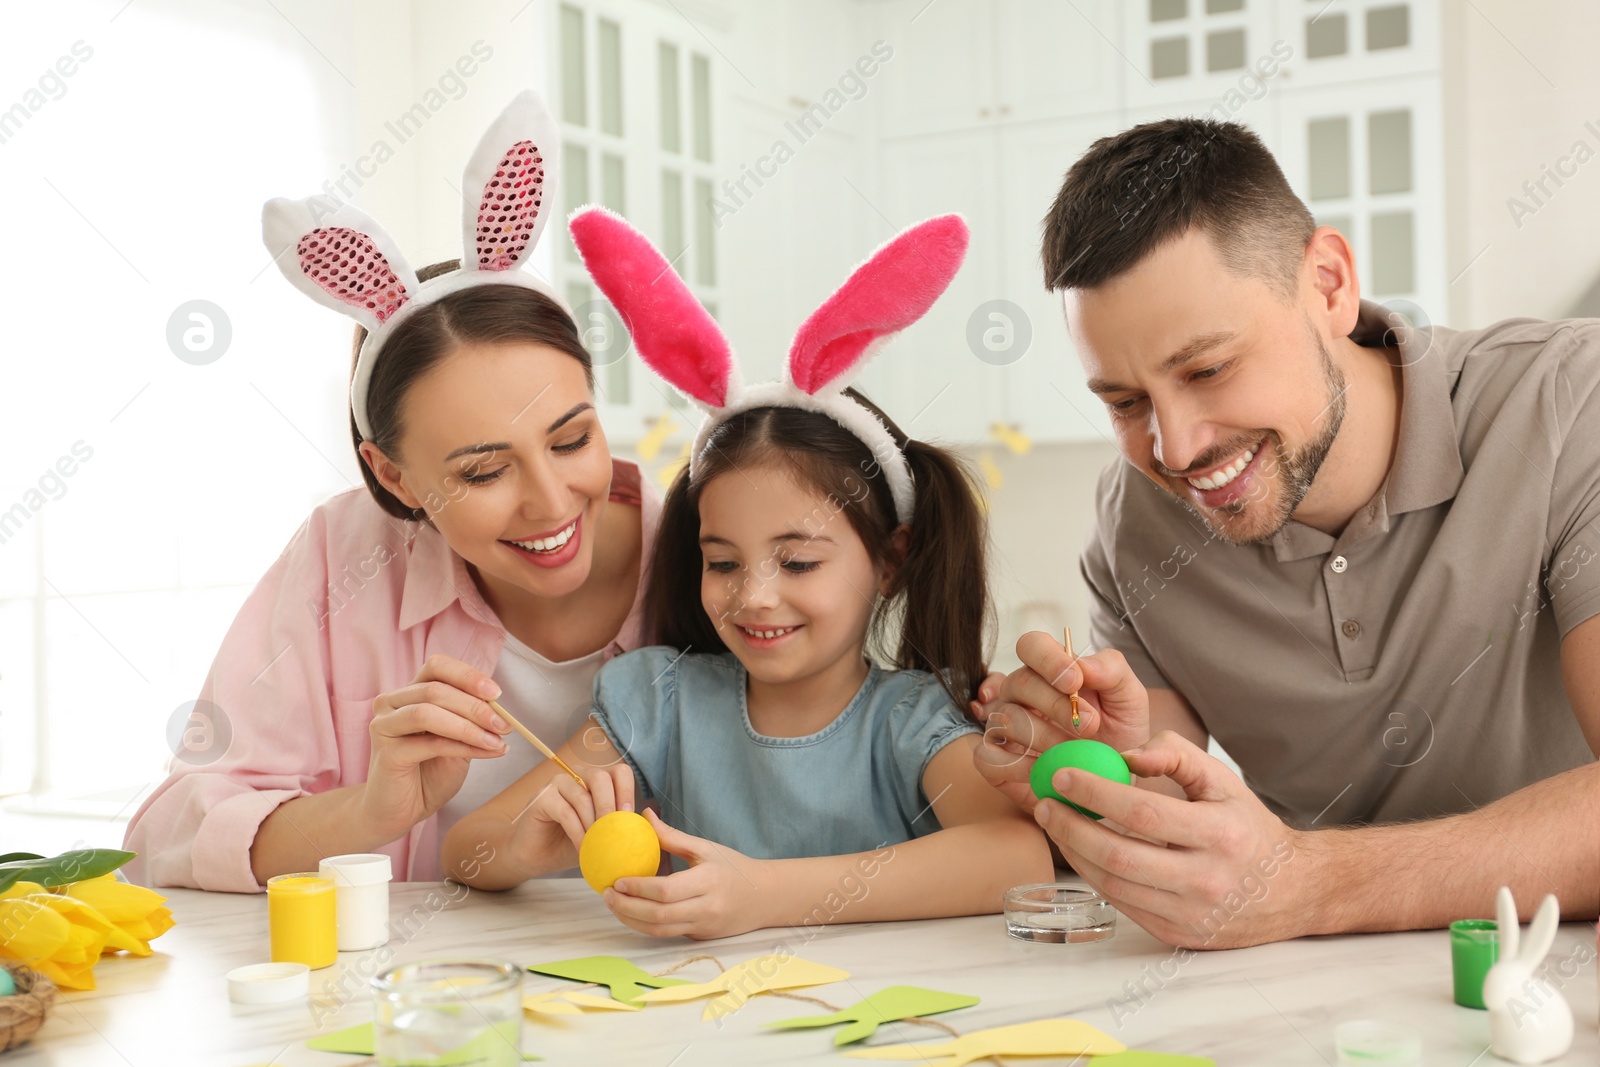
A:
1217,870
1033,711
721,894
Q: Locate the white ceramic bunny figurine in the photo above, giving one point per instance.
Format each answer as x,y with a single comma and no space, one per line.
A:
1529,1021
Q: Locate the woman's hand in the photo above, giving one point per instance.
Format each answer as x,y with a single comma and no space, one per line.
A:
1033,711
721,894
423,736
547,835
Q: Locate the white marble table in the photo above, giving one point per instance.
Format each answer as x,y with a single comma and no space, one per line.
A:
1275,1004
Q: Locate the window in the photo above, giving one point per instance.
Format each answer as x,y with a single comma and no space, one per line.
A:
1328,35
575,187
574,86
672,240
610,78
671,107
1389,151
119,579
1393,270
1388,27
1167,10
1225,50
1169,57
1329,165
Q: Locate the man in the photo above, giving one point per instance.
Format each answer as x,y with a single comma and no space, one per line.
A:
1363,559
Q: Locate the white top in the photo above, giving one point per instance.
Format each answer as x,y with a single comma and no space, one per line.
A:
551,699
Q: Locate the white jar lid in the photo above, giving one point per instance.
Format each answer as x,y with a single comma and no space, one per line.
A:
268,983
357,868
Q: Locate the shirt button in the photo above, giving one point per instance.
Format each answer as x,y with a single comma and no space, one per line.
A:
1339,564
1351,629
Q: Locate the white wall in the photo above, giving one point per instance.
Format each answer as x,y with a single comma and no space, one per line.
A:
1521,83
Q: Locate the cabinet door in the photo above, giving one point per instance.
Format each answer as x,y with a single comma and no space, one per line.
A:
1360,39
1186,50
1044,392
1052,61
794,239
1368,159
941,388
942,75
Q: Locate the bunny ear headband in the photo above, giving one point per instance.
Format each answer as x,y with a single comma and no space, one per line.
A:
344,260
677,338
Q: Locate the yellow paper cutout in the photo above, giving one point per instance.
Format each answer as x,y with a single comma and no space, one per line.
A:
744,980
1046,1037
666,474
573,1003
650,444
993,476
1012,437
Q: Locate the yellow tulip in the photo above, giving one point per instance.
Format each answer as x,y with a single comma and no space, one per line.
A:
62,932
47,940
135,910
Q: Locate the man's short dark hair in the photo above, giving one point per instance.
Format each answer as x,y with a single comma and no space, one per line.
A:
1134,191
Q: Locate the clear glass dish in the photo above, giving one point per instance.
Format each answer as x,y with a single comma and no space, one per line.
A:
1058,913
449,1011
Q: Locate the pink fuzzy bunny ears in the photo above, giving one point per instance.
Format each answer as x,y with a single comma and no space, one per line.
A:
678,339
344,260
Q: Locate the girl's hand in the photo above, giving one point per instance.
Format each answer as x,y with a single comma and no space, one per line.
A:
1034,711
988,697
721,894
547,834
423,736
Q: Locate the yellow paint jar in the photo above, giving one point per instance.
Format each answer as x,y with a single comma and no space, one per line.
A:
302,920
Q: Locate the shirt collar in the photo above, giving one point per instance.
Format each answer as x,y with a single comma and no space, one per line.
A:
436,578
1427,468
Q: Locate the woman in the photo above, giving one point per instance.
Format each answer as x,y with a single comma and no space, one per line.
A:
495,552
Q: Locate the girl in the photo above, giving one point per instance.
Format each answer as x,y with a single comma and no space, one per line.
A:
495,551
814,785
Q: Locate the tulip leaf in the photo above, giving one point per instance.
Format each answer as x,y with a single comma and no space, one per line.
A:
9,856
69,867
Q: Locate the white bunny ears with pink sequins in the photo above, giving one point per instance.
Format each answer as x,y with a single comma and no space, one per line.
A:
344,260
678,339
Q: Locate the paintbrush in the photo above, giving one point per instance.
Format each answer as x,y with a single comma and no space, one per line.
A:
1066,634
538,744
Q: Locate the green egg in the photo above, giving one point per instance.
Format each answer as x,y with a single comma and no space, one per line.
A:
1083,755
7,985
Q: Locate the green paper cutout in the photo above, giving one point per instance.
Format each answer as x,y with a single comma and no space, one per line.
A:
360,1040
888,1005
1139,1058
625,979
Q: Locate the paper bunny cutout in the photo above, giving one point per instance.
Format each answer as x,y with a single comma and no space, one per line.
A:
344,260
1529,1021
677,338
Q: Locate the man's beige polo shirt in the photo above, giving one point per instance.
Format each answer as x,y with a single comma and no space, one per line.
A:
1409,667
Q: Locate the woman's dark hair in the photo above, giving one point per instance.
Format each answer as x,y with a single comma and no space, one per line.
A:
1134,191
481,314
937,609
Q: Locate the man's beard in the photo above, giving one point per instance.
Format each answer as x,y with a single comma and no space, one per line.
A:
1298,468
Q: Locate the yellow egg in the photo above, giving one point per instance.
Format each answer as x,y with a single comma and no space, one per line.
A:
620,845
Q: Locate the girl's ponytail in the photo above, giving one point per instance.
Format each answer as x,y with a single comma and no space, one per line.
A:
944,577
